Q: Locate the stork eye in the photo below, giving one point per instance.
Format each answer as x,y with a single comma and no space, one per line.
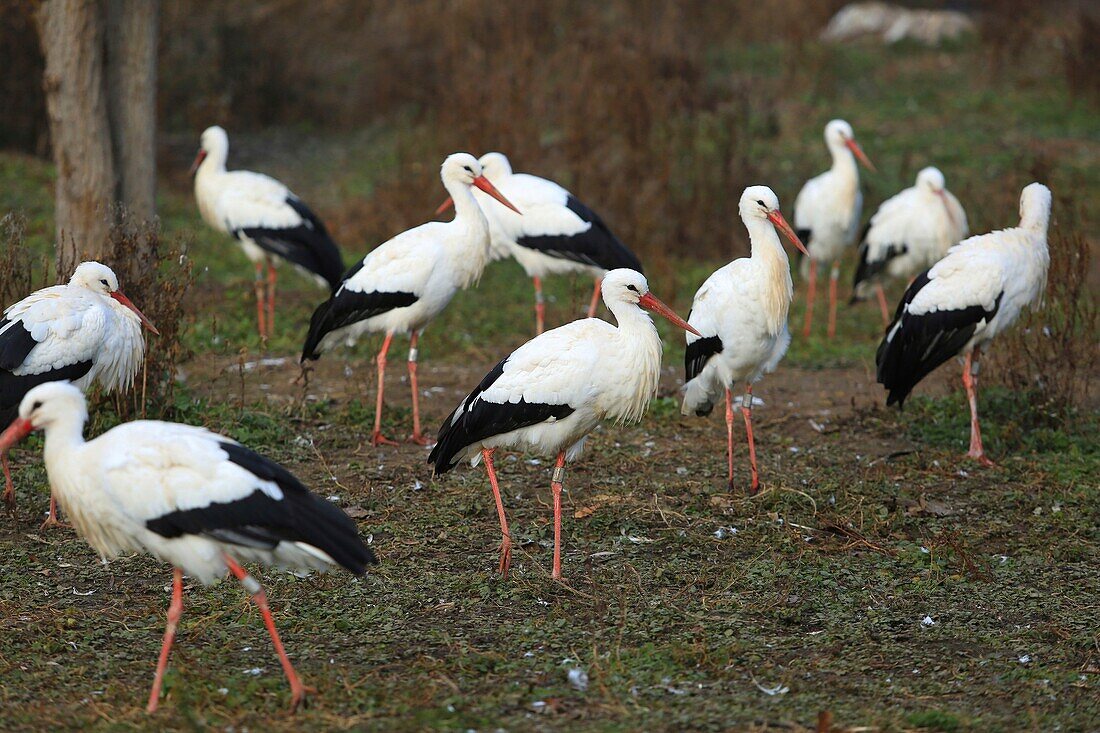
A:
632,288
468,169
761,203
104,283
36,405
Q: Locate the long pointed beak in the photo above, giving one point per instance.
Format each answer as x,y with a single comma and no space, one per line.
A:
18,430
483,183
126,302
781,224
198,161
860,155
651,303
947,207
444,206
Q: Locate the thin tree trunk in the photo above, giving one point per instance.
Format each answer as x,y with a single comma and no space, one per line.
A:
71,32
131,97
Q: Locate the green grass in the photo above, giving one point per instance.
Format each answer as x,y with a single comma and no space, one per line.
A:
869,522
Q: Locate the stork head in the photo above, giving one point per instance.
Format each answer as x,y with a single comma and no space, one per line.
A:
495,166
464,169
102,280
214,143
839,135
931,179
761,203
1035,202
630,286
47,404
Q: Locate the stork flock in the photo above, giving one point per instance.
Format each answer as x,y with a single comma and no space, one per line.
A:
205,504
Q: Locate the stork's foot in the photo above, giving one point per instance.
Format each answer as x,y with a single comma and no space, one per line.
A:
420,439
981,458
505,557
299,695
9,500
52,522
377,439
751,490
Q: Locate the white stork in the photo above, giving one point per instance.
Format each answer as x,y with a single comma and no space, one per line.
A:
909,233
190,497
550,393
960,305
557,234
740,313
404,283
826,214
268,221
86,331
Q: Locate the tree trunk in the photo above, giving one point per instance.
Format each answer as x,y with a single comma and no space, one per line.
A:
131,98
71,32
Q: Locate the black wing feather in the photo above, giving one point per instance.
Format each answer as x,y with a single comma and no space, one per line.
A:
479,420
867,270
698,353
16,344
258,520
922,342
346,307
597,246
307,245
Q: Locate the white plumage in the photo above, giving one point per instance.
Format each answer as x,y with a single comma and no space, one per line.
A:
268,220
552,391
404,283
185,495
85,331
965,300
909,233
556,235
827,211
740,313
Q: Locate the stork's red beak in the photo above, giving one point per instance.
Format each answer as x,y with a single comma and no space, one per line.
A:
651,303
781,224
860,155
483,183
18,430
198,161
126,302
947,207
445,205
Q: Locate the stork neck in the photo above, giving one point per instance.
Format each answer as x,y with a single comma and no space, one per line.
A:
466,207
765,245
844,165
1036,219
774,285
64,439
636,347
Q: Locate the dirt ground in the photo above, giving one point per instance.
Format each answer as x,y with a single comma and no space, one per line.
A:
877,577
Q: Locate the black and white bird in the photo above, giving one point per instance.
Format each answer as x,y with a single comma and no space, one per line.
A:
86,331
404,283
267,220
909,233
964,301
550,393
740,313
557,234
826,215
187,496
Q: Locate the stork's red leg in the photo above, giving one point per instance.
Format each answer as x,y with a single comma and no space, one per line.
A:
258,286
270,299
51,518
834,275
882,304
540,306
252,586
729,440
555,486
506,536
376,437
595,298
175,610
811,292
970,381
746,410
416,436
9,487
